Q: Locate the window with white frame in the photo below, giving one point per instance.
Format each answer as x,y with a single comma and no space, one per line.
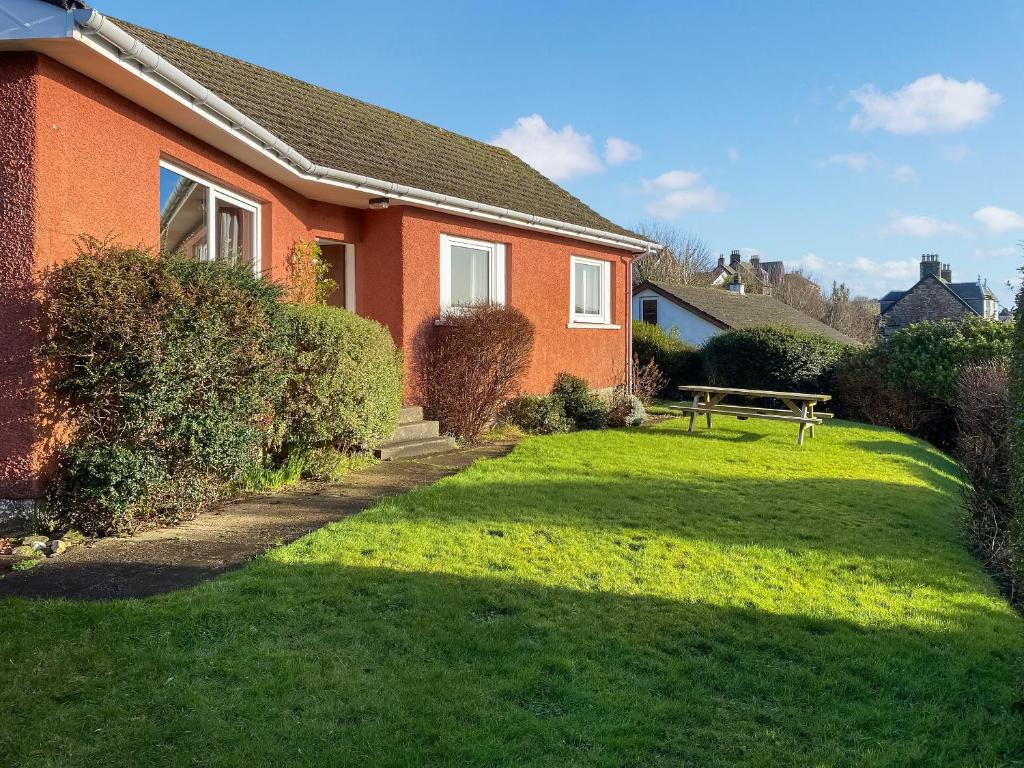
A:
590,291
205,222
472,272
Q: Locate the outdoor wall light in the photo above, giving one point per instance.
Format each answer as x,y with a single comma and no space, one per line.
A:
379,202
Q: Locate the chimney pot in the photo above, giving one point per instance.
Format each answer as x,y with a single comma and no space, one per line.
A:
734,258
721,260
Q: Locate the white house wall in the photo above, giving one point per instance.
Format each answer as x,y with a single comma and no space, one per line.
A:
693,329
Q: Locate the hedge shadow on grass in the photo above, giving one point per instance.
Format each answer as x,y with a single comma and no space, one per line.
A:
282,664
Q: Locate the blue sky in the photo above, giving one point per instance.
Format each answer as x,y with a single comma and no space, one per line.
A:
847,137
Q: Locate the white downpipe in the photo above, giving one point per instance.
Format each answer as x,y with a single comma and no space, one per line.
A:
93,23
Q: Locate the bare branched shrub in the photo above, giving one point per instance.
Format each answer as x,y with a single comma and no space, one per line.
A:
472,364
984,416
648,380
855,316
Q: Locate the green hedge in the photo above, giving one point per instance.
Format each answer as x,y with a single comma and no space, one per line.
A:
344,379
678,362
1017,444
772,358
167,371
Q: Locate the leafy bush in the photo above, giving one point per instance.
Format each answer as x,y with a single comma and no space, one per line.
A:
307,275
626,410
167,371
471,366
928,357
772,358
538,415
984,415
862,391
582,407
678,362
1016,497
344,379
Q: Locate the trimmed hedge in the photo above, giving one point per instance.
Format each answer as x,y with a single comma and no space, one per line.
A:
772,358
1017,443
678,362
167,371
344,379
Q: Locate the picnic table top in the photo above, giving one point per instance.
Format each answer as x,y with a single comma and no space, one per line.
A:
755,392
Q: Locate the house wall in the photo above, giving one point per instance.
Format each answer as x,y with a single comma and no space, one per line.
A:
928,300
79,159
692,328
536,281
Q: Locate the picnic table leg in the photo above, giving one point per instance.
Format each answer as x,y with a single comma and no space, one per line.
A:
707,402
693,413
810,414
800,434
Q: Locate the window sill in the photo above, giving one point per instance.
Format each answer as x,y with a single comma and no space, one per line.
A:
595,326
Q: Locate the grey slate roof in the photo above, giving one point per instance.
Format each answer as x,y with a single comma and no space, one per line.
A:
730,310
346,134
971,294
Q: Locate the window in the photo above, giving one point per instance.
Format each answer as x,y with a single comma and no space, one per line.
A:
590,291
472,272
190,209
649,311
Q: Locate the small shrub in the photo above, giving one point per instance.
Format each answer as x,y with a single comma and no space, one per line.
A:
582,407
626,410
678,362
538,415
167,371
648,380
1017,446
472,364
772,358
344,380
862,391
307,275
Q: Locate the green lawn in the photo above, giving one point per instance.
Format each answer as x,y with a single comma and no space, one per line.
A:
642,597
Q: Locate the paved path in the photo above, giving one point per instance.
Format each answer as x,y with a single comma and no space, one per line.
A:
227,537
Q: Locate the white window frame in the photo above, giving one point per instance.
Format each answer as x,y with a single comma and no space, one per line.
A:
495,264
581,320
214,193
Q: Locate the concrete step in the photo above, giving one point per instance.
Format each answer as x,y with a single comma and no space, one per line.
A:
410,414
415,430
408,448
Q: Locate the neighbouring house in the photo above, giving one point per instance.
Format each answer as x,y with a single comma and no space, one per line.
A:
1006,315
758,276
936,297
113,130
697,313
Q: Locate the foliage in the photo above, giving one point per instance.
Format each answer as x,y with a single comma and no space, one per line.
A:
626,410
856,316
678,362
627,597
582,407
927,357
167,371
772,358
307,275
648,380
538,414
472,364
345,381
984,416
1016,496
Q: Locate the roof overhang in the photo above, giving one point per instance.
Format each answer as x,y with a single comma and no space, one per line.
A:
89,42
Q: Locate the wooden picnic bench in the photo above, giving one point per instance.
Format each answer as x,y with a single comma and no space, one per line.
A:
799,406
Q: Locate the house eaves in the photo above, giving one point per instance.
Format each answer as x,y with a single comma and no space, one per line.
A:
105,37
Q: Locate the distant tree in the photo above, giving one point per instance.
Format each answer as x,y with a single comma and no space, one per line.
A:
686,257
856,316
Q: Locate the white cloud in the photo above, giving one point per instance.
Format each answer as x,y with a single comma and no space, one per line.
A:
998,219
559,155
854,161
733,154
618,151
903,174
864,276
921,226
682,191
931,104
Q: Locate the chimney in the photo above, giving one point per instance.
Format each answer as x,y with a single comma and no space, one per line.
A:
947,273
721,260
755,260
734,259
930,265
736,286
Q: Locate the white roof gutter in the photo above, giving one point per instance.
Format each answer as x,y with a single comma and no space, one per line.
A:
92,23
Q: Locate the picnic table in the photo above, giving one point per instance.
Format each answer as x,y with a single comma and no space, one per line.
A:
799,406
